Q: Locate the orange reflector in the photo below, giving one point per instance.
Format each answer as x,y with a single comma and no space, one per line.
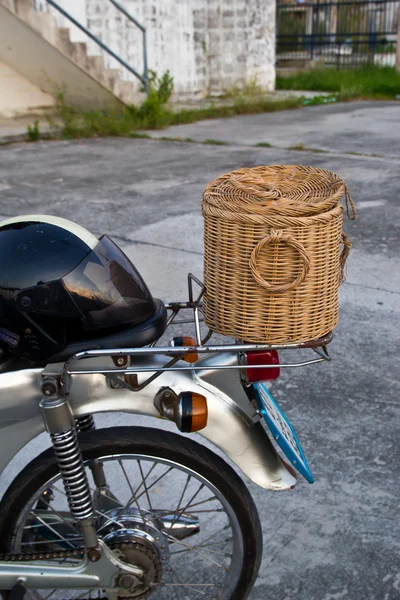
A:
199,411
191,412
177,342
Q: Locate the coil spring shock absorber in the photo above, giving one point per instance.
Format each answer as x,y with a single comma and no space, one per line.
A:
60,424
69,459
84,424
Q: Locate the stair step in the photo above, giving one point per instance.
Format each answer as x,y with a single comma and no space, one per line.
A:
46,26
63,40
8,4
112,77
44,23
23,8
126,91
97,63
80,54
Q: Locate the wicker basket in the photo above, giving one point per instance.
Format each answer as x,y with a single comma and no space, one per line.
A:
273,259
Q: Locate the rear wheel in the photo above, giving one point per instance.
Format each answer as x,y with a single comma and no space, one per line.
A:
171,507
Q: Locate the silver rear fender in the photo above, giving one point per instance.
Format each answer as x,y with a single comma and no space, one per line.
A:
233,425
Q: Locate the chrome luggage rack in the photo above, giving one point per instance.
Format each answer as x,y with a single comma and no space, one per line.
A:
123,357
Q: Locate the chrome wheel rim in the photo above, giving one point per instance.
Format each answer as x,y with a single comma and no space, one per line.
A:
207,565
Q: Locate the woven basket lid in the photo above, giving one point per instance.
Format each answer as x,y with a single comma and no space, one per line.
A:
292,190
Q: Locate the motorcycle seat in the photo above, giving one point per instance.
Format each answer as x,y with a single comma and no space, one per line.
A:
136,336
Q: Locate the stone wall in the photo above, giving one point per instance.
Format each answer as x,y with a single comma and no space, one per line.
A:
209,46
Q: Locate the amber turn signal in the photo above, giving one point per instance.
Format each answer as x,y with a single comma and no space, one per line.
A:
191,413
177,342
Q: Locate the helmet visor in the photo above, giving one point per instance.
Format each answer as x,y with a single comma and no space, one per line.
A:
107,289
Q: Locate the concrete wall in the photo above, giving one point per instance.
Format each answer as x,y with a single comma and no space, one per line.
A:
208,45
18,96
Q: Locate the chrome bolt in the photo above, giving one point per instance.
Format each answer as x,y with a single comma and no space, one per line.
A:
94,554
49,386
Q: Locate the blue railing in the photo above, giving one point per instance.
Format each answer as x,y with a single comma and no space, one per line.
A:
144,77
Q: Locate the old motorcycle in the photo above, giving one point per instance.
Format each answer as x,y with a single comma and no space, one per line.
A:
128,512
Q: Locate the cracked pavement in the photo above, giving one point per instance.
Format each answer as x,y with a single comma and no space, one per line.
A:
339,538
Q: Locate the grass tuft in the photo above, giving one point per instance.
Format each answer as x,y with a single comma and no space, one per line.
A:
302,148
33,132
154,113
214,142
363,83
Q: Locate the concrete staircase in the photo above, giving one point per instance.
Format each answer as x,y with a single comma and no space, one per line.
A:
34,46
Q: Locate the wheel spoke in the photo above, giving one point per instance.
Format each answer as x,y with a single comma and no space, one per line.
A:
181,585
58,541
108,521
49,595
224,554
183,510
153,488
59,536
149,488
194,587
144,484
212,536
130,487
180,500
175,588
64,520
152,468
98,512
196,551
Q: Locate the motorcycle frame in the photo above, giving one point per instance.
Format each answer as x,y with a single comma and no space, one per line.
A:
233,426
100,386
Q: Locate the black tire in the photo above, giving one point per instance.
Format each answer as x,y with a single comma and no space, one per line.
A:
159,444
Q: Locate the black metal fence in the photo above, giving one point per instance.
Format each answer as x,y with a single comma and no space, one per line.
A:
344,34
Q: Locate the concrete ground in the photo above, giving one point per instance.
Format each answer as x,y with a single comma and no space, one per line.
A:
345,127
15,130
339,538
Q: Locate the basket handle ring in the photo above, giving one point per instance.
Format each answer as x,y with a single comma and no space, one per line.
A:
276,237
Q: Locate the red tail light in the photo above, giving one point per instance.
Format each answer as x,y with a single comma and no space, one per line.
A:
266,357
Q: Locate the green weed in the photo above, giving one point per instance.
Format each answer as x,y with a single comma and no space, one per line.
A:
33,132
154,113
214,142
302,148
167,138
364,83
249,89
297,147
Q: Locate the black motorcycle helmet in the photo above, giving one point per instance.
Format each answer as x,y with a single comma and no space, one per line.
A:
59,284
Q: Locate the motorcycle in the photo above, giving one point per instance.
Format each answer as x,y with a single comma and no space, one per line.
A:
138,512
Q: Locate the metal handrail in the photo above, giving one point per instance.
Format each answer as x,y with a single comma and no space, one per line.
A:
143,78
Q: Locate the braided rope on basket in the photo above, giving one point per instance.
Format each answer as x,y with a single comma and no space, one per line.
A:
273,260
